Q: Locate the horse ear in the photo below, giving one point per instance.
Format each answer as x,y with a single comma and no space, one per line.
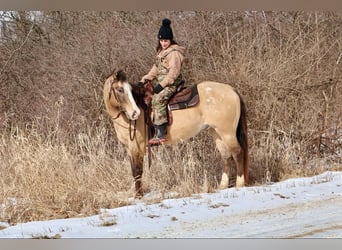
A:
121,76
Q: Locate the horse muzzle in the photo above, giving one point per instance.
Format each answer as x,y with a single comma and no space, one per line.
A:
134,115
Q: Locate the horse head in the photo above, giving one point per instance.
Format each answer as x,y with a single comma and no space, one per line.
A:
119,98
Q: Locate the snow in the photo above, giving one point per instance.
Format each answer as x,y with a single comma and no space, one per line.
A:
303,207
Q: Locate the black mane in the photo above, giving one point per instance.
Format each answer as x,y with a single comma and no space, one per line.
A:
138,95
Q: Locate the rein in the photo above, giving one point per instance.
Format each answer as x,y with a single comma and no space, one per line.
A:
147,128
131,137
144,101
117,116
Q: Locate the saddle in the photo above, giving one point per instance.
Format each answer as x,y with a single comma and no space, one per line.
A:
185,97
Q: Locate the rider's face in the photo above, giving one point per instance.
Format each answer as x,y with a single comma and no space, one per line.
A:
165,43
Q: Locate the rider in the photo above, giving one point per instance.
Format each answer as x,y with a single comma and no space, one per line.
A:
167,76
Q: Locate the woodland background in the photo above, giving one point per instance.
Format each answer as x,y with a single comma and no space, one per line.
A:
59,155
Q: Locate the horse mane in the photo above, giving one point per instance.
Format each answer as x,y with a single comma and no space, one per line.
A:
139,95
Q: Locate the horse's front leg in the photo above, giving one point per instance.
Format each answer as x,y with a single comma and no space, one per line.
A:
137,162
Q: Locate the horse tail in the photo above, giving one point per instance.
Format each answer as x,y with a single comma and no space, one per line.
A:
242,136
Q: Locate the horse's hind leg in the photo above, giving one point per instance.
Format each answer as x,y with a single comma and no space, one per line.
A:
225,154
238,155
226,168
229,146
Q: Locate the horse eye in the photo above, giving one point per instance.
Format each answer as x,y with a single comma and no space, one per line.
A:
120,90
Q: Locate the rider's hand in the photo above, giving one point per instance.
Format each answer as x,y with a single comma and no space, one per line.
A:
157,89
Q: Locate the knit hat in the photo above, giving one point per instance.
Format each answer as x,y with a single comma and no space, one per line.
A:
165,31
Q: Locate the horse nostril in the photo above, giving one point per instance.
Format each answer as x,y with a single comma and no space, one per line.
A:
134,115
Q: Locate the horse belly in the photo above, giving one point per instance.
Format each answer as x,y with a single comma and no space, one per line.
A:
186,124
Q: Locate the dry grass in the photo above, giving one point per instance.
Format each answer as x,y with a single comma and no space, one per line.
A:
59,154
39,179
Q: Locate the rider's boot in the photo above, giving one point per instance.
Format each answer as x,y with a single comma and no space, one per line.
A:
160,135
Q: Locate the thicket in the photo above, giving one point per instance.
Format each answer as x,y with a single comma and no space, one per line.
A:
59,155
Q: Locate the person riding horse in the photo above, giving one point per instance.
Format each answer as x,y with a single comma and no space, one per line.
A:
166,74
220,110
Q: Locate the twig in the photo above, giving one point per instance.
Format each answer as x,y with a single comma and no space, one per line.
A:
16,50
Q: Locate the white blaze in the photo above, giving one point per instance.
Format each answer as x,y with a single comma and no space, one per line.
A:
128,89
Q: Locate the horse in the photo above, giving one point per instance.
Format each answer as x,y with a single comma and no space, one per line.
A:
220,109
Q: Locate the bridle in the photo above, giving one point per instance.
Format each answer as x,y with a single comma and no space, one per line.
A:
121,110
147,112
117,100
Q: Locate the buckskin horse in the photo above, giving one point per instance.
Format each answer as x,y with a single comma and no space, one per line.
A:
220,109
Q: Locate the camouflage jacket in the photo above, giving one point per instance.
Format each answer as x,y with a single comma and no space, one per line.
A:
168,64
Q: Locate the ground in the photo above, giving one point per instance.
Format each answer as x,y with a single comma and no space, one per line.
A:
302,207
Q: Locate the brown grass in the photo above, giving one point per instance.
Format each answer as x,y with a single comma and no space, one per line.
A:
59,156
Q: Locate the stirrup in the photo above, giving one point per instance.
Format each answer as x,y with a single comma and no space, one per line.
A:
156,140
